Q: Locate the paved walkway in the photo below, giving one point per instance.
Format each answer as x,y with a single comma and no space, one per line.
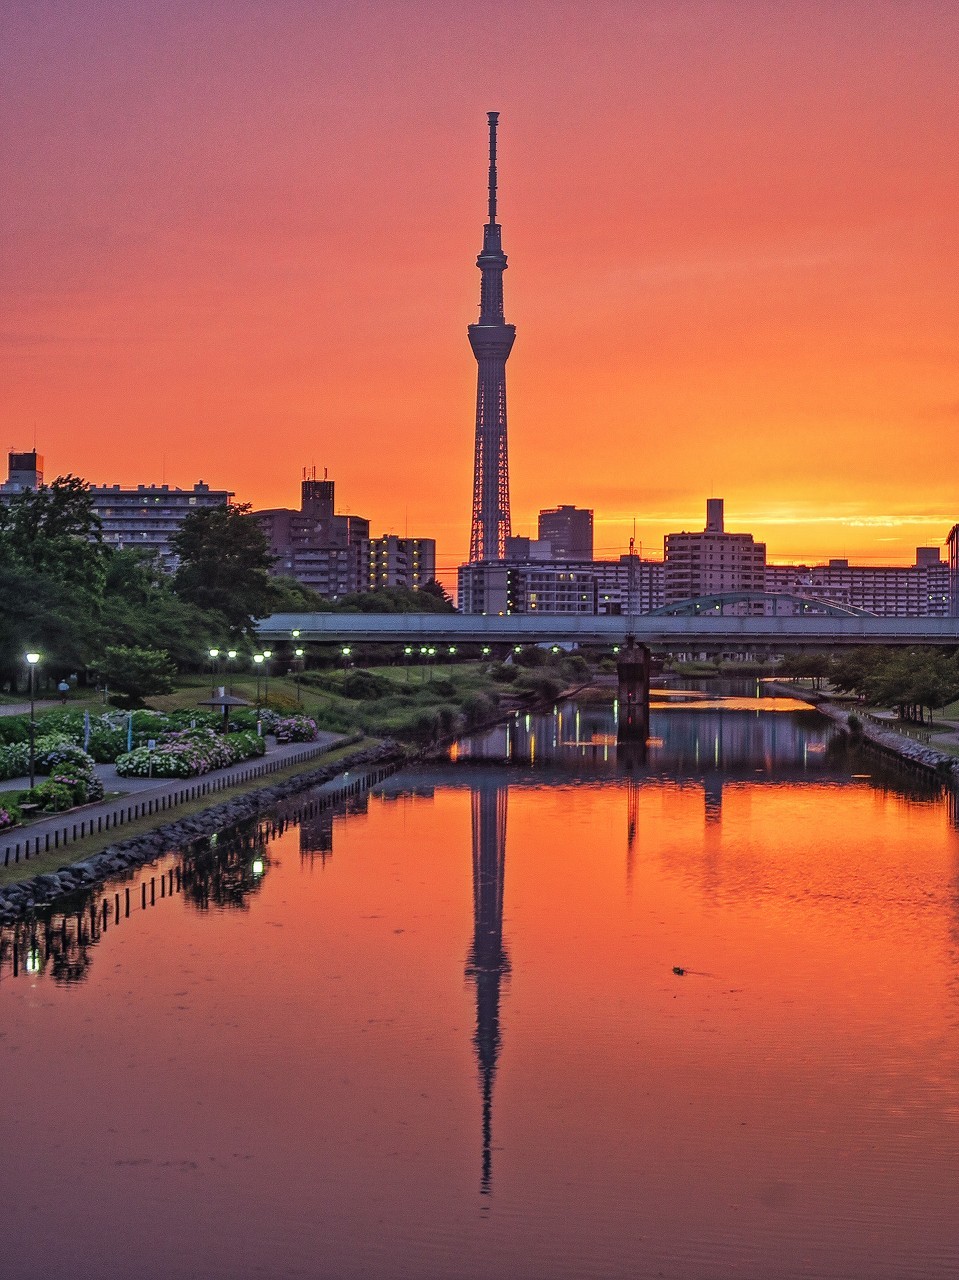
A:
145,796
51,704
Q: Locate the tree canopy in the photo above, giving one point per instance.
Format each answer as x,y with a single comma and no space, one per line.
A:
224,565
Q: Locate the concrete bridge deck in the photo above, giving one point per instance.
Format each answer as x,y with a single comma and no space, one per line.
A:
670,633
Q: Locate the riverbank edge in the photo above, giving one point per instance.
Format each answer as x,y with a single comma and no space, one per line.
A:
935,765
19,897
22,897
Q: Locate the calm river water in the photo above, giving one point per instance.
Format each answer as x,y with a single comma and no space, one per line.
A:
440,1032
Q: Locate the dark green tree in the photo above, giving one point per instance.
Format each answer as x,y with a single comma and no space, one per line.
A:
141,609
52,575
224,565
393,600
55,532
137,673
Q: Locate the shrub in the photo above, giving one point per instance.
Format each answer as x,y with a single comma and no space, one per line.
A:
64,757
504,671
477,708
14,729
52,797
540,684
10,814
107,741
14,760
293,728
189,753
364,686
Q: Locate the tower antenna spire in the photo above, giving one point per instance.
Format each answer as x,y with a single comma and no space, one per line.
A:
491,339
493,117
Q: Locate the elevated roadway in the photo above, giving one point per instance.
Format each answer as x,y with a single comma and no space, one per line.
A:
675,634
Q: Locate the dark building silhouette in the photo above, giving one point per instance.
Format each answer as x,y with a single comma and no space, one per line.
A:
327,552
569,531
492,340
24,471
714,561
488,963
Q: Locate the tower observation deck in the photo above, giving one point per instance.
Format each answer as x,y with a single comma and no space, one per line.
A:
492,340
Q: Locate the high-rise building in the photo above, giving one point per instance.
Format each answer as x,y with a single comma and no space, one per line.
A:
952,552
712,562
143,517
921,590
147,517
326,552
569,531
503,587
401,562
24,471
628,585
492,340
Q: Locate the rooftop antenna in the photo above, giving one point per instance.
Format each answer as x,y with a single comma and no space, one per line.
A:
493,117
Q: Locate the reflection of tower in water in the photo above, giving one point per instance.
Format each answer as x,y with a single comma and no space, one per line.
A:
488,964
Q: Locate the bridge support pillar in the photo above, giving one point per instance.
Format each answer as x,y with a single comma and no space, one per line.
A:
632,670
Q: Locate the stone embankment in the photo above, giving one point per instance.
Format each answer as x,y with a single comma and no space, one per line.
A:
26,895
918,756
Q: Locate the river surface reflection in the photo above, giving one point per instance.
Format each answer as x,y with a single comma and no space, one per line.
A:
440,1032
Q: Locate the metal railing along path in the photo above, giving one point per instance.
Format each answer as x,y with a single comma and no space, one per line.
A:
61,830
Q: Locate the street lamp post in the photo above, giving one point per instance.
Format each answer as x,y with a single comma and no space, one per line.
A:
299,669
230,657
258,659
32,660
267,655
214,654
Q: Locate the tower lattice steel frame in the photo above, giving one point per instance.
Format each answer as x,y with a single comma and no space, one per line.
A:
492,340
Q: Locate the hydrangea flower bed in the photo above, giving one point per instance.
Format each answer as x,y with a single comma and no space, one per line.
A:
9,815
190,752
292,728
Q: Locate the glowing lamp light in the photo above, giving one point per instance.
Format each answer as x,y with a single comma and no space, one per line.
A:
257,866
258,658
268,653
214,653
299,653
33,658
295,635
346,651
33,961
231,654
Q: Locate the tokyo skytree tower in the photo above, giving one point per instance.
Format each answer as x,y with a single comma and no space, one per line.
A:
492,340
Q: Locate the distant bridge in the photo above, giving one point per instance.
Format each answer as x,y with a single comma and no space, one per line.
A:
675,634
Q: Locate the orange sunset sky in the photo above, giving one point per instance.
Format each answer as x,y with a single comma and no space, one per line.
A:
240,239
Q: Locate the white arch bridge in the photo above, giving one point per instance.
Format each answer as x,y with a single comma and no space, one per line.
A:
707,631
